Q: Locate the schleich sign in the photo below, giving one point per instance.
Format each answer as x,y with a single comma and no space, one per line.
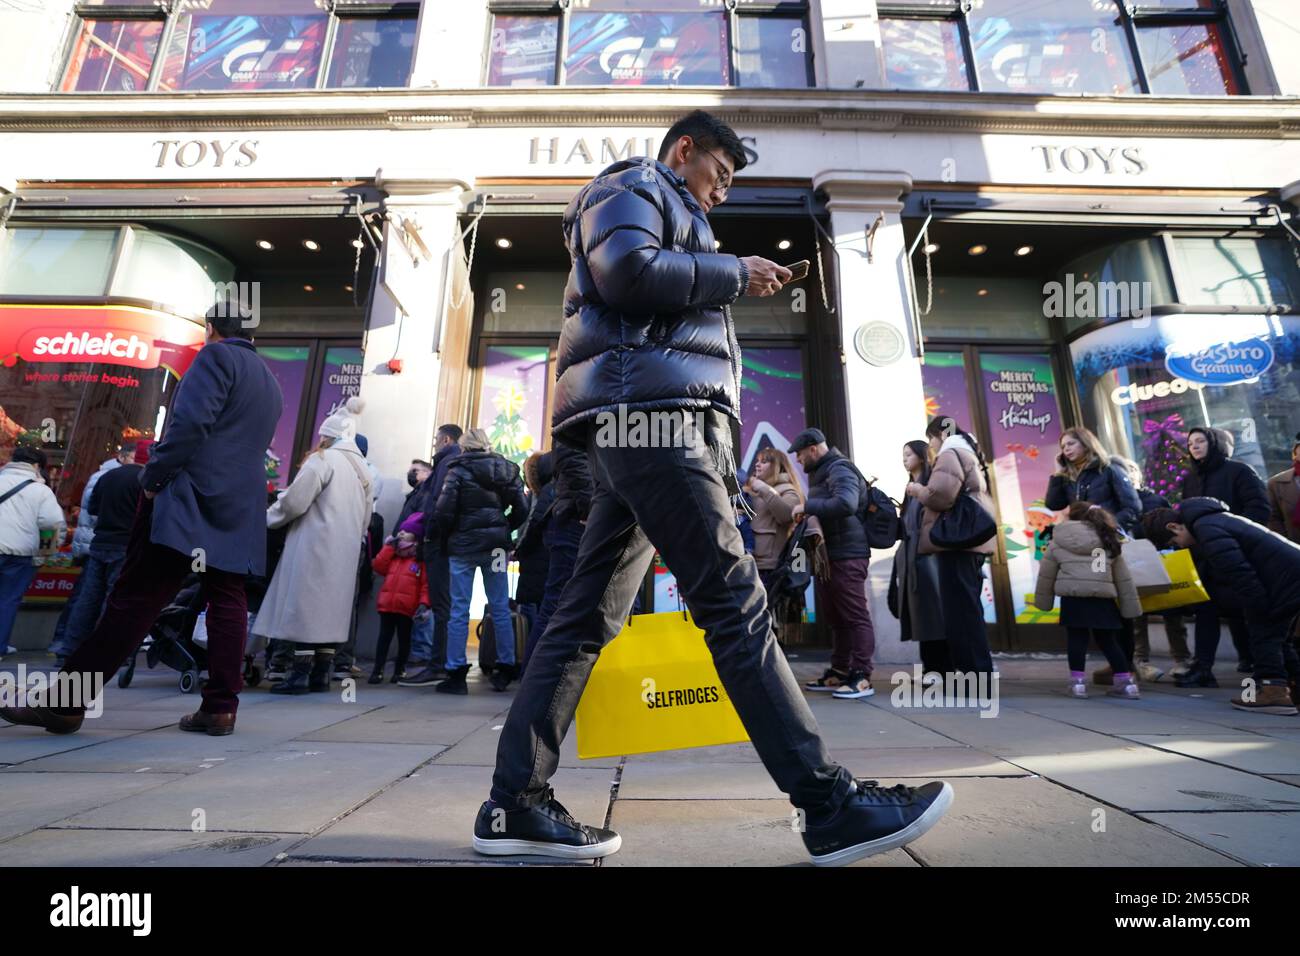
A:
110,335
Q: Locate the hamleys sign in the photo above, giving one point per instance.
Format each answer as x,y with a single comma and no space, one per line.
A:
111,335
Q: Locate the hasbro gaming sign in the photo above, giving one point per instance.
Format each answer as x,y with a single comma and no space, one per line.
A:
1227,363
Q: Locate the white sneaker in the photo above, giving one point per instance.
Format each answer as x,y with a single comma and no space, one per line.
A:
1127,691
1148,672
1079,689
858,685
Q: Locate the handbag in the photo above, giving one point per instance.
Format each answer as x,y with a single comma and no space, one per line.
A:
654,687
965,525
1144,564
1185,585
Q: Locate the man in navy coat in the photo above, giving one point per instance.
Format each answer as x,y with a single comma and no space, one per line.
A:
202,507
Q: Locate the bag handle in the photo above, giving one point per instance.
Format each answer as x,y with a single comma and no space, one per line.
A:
15,489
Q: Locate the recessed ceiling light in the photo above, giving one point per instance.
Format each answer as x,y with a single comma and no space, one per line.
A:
519,286
358,244
308,288
982,292
311,245
717,243
930,247
978,250
1024,250
263,244
347,288
784,244
504,243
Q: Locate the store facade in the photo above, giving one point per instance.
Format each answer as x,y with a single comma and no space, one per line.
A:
442,209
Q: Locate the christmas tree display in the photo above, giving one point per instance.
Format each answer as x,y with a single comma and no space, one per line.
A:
1166,456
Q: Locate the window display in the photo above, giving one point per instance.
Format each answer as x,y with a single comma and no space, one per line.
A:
372,53
522,51
1187,60
771,52
512,398
112,56
648,49
923,55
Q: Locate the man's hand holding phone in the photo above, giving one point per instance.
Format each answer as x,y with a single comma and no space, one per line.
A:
765,276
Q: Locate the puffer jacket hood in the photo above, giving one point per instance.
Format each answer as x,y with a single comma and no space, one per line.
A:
1233,482
1077,537
1191,510
645,318
1215,454
481,503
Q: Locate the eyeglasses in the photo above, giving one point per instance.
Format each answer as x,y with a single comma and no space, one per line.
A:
722,185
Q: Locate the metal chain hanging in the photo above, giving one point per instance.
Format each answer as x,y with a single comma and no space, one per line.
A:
821,270
457,302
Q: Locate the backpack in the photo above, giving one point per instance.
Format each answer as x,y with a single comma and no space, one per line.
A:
878,513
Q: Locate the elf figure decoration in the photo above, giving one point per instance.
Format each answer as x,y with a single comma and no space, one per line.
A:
1166,456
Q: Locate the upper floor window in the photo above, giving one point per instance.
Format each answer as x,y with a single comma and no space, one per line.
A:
649,43
1165,47
124,46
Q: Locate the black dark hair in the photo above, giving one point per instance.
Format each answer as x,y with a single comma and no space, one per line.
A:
454,431
1101,521
921,449
945,425
420,461
709,132
228,314
30,455
1155,526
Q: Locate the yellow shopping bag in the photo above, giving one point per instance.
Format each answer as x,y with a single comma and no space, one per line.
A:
654,687
1185,585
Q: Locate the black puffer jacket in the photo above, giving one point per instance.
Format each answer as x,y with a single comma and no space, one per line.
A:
645,323
479,490
1234,483
573,483
834,496
1260,568
1107,487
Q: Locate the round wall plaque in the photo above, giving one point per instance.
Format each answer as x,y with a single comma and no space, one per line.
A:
879,343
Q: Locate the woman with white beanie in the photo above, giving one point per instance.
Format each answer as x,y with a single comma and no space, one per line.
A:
327,510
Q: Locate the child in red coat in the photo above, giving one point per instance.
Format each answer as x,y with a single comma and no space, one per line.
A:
405,591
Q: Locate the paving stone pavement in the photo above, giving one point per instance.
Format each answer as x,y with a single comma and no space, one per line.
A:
396,775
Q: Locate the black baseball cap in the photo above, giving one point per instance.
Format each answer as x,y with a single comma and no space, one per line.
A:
807,437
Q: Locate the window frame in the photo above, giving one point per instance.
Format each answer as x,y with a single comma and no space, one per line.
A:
732,9
1131,18
167,12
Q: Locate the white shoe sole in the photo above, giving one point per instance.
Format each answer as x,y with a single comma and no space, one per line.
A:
820,690
914,830
1277,710
537,848
869,692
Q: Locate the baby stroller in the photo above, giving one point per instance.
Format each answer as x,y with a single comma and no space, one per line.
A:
178,639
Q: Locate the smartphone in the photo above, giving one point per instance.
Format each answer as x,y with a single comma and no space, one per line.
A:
798,270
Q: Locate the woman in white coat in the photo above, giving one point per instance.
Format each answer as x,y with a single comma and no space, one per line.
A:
327,510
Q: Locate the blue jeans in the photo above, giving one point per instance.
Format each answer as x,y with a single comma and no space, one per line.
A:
497,587
97,578
422,638
16,573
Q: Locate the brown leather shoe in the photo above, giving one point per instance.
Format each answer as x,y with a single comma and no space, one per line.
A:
214,725
43,717
1269,699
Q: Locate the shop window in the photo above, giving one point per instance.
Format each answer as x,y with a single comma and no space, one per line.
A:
522,51
1237,271
969,307
1065,47
288,363
1113,282
175,274
524,301
513,398
112,56
1142,385
372,52
923,54
340,379
649,43
49,262
772,52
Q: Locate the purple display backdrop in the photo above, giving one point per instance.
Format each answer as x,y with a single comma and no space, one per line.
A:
289,366
512,399
340,380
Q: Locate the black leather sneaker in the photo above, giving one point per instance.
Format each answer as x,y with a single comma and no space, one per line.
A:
544,830
425,678
874,819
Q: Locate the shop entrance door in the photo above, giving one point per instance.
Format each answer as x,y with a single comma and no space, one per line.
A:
1007,397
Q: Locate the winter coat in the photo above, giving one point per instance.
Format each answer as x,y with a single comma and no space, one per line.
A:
772,521
114,505
573,483
1075,566
406,585
480,489
955,470
1259,567
327,511
1234,483
27,513
85,529
530,551
1283,493
645,317
915,595
428,495
835,493
1107,488
209,469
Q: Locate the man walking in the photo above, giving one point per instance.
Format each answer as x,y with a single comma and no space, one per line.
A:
203,505
835,491
647,330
